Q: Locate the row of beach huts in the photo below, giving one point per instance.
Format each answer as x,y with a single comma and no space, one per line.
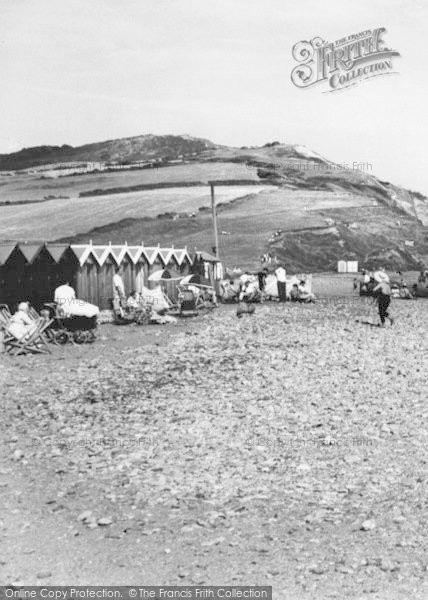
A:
32,271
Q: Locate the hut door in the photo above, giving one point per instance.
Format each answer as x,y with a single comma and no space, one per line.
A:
128,276
139,277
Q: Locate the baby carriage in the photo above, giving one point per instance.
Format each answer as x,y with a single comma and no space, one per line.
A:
74,329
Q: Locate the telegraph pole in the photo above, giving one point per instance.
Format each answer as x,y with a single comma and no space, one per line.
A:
214,214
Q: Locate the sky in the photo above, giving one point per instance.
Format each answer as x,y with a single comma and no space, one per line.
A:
81,71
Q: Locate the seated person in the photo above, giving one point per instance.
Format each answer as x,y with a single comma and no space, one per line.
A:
304,294
405,292
226,290
249,291
395,291
195,290
209,295
21,325
294,293
133,300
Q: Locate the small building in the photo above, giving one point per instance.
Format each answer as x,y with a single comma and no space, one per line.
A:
208,266
347,266
352,266
341,266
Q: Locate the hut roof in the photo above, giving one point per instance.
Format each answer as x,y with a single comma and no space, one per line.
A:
5,251
57,251
205,256
30,251
119,252
99,252
181,256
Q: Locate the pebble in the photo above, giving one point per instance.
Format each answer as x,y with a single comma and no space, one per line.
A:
387,565
368,525
85,516
317,569
18,454
44,574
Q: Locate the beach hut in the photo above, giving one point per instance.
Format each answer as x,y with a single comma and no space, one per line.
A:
352,266
33,271
208,266
341,266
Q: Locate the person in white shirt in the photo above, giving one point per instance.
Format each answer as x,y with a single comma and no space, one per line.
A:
69,306
21,325
304,294
63,297
118,287
281,274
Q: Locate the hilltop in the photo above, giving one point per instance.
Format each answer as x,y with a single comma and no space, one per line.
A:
138,148
285,199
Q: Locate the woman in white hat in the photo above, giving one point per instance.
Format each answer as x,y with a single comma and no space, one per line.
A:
382,293
21,324
381,276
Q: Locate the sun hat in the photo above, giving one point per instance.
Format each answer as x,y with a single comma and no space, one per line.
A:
381,277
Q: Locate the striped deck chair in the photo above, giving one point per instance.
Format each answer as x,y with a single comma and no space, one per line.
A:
34,342
5,316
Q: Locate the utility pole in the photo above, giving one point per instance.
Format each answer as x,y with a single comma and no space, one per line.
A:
214,213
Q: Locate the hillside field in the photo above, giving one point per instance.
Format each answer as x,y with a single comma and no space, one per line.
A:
67,218
23,187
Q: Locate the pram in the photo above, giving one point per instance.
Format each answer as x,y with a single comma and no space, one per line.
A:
192,300
187,302
74,329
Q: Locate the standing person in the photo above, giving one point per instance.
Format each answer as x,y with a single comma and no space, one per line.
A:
281,278
261,275
382,293
119,298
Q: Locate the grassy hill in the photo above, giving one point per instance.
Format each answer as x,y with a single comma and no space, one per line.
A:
142,147
301,207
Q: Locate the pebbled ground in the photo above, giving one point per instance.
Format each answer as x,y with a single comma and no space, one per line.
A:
287,449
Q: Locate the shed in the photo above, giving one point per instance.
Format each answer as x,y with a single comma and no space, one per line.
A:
347,266
341,266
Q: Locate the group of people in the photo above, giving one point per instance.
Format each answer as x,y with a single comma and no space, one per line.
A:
23,322
399,288
247,287
135,307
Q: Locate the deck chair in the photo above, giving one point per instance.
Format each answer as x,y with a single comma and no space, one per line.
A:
4,310
5,316
45,329
35,342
